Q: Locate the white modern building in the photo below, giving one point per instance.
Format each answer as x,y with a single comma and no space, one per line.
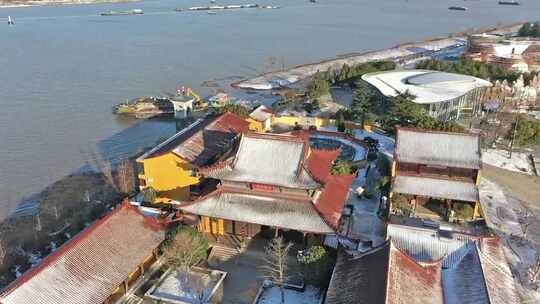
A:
445,95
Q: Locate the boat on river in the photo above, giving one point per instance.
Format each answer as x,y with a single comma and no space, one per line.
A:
457,8
508,3
10,21
220,7
123,13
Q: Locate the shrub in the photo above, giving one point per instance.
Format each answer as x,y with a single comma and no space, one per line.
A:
237,109
318,87
463,210
342,167
149,195
400,202
185,247
317,265
528,131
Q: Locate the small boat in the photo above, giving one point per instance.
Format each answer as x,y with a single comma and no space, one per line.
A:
508,2
10,21
270,7
457,8
211,13
313,1
123,13
199,8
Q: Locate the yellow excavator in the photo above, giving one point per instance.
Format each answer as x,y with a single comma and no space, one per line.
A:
199,103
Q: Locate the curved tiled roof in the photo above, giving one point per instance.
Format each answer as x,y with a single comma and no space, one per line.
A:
385,275
459,150
202,141
269,159
89,267
268,210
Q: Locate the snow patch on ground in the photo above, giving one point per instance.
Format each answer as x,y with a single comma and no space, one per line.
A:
504,216
499,158
365,223
272,295
177,287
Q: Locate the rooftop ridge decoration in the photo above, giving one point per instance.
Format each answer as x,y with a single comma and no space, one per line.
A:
420,130
201,141
260,208
273,159
460,150
64,255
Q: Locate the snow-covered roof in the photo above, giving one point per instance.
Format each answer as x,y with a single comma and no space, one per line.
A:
458,150
437,188
268,159
475,270
384,275
261,113
427,86
417,265
281,212
427,245
204,140
89,267
509,48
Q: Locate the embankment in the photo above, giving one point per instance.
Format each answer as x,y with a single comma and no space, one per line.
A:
279,79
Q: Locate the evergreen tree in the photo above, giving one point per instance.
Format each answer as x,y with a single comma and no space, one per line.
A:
364,103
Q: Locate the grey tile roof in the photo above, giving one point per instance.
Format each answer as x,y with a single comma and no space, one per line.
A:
475,270
426,244
384,275
463,283
437,188
359,280
262,210
438,148
269,159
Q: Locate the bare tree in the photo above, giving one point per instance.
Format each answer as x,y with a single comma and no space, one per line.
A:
126,176
103,166
525,222
3,252
197,287
276,266
186,248
534,271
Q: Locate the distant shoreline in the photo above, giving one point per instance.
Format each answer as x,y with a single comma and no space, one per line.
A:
33,3
278,79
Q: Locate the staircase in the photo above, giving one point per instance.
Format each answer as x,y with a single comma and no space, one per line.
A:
132,299
221,254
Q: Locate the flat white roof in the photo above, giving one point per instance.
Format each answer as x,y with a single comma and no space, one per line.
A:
427,86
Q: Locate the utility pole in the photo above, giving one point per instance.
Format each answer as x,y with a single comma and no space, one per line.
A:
514,135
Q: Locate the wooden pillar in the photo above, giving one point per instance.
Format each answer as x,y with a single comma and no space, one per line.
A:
276,233
477,210
126,285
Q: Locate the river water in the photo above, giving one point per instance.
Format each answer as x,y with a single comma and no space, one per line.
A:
64,67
